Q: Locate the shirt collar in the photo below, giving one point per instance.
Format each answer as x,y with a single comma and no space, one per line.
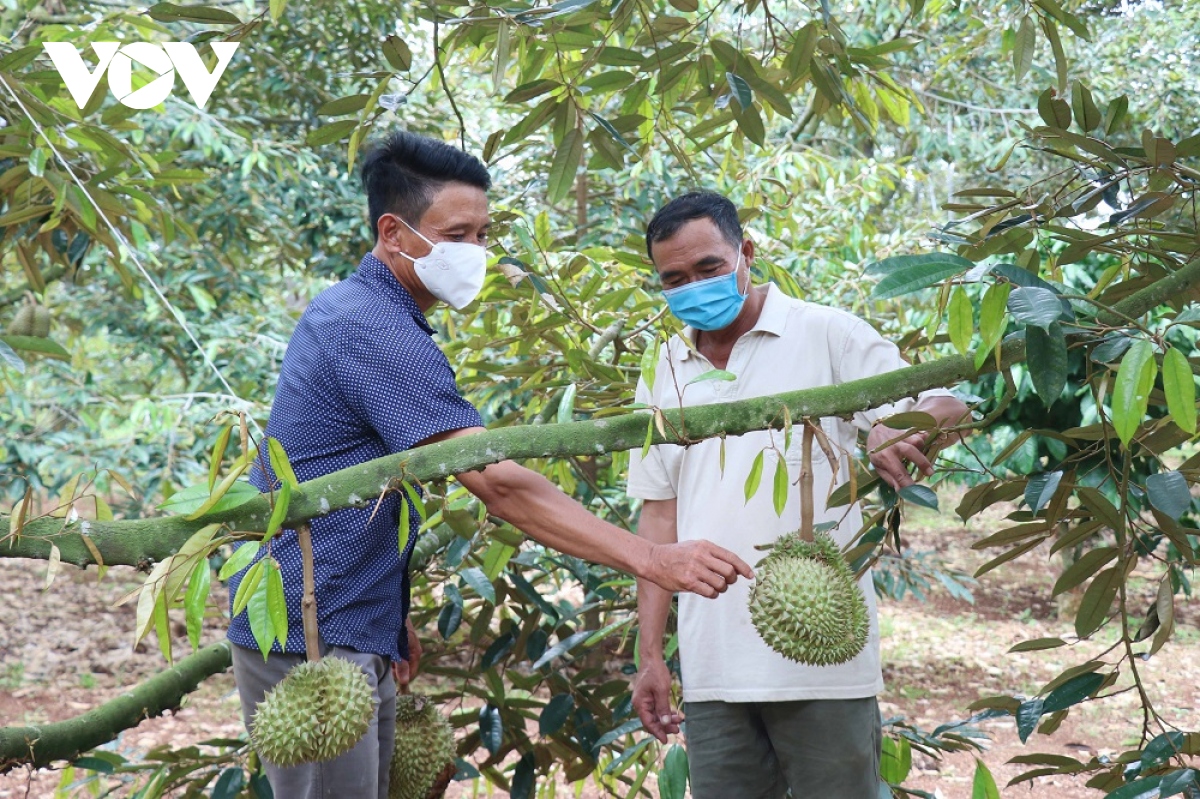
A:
376,273
771,319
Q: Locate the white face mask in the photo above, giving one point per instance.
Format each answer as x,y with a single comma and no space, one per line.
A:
453,271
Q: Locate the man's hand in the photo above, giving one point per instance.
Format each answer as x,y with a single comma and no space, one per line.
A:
405,671
652,699
700,567
893,460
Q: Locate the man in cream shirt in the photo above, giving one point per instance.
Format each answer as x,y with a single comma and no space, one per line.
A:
757,723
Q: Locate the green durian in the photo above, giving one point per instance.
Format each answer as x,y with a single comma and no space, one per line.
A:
805,602
319,711
23,323
423,759
41,321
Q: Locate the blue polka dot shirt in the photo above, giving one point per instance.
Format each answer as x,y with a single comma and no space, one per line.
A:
362,378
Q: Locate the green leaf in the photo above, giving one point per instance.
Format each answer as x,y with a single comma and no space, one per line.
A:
1179,384
713,374
1024,47
276,8
1040,489
449,619
1169,493
247,587
1114,115
896,762
334,131
415,498
240,559
1047,359
919,495
258,612
649,364
1176,782
169,12
232,779
397,53
673,779
1087,115
556,713
344,105
195,600
1038,644
561,648
479,583
612,131
277,602
566,406
218,454
213,502
1083,568
962,320
740,89
162,627
1098,598
11,358
1072,692
780,492
1053,111
1145,788
984,785
563,168
1035,306
42,346
279,512
1028,715
908,273
404,529
755,476
491,728
993,314
1131,391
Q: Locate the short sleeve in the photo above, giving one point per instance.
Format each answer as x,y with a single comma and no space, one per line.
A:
865,353
649,477
399,383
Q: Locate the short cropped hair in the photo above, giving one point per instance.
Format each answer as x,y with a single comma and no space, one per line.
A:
694,205
402,172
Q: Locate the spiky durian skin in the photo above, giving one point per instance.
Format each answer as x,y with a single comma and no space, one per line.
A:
22,323
806,605
41,321
424,750
319,711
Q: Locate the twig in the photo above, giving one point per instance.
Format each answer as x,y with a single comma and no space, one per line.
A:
308,607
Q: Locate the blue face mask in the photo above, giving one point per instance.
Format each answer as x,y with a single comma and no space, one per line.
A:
709,304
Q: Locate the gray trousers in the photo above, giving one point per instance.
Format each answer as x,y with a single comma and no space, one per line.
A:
827,748
361,773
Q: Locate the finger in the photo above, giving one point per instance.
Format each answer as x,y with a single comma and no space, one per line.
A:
726,570
401,672
739,566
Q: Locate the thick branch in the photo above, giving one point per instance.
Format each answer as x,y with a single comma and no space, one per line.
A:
65,740
144,541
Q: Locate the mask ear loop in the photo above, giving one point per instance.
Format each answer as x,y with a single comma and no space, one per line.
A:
414,230
742,258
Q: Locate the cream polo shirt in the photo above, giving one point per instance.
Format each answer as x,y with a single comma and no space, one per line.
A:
795,345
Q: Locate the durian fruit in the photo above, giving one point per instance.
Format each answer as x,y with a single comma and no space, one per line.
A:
23,323
319,711
806,604
41,321
423,760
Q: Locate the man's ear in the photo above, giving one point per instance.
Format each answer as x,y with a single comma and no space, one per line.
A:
748,252
389,232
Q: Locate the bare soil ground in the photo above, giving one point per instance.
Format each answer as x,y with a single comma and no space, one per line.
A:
64,650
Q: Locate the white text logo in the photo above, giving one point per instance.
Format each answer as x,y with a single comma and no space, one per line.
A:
165,60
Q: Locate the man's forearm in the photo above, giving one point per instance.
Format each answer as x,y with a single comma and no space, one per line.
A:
658,525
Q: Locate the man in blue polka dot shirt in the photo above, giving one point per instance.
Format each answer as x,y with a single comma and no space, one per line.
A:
363,378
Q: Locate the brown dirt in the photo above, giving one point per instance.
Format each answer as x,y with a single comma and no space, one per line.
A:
65,650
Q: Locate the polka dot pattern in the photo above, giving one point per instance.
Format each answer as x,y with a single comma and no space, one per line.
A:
362,378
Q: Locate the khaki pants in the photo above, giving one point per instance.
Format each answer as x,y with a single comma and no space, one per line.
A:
820,749
361,773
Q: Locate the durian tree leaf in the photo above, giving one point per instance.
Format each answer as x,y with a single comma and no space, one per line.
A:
1144,788
195,600
561,648
414,496
984,784
961,320
218,454
566,406
259,614
277,602
755,476
1131,391
404,528
1041,489
1169,492
162,628
524,779
154,586
780,488
912,420
1028,715
920,495
229,784
556,713
1038,644
713,374
1097,600
491,728
905,274
1087,565
1034,306
240,559
247,587
186,501
896,762
1072,692
1179,384
1162,748
993,319
450,618
8,356
280,463
1164,606
673,779
498,649
479,583
38,344
1176,782
282,501
620,731
1046,354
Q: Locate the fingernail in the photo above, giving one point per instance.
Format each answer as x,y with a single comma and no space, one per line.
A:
664,719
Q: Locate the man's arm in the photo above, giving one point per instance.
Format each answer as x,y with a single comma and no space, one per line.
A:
892,461
652,689
531,503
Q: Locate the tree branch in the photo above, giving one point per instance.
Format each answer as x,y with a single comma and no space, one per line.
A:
38,746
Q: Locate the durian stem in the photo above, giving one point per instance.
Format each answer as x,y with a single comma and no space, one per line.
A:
308,607
806,485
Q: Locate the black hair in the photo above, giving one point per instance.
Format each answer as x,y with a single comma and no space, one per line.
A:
694,205
402,172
